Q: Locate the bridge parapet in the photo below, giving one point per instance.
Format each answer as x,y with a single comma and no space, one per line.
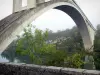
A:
31,69
19,5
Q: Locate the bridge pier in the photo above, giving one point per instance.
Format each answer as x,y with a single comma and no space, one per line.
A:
89,62
89,45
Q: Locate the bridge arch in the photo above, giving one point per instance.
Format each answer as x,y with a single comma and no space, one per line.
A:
17,21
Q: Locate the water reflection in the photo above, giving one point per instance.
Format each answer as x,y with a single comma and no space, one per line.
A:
10,55
3,59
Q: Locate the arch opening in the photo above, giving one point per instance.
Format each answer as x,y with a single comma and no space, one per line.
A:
80,22
32,14
27,16
55,20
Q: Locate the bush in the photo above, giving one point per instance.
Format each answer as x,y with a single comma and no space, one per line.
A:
34,45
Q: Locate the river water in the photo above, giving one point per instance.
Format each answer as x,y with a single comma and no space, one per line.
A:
3,59
12,56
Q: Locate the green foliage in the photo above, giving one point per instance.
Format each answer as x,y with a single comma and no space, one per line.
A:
40,52
32,44
74,61
32,48
72,42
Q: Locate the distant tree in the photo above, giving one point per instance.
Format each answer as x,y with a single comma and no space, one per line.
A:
73,41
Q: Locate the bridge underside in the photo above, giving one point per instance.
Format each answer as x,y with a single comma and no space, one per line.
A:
14,24
80,22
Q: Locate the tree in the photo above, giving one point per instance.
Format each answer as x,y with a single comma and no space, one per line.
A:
38,50
34,45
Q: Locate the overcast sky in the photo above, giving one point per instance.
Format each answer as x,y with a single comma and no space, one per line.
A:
56,19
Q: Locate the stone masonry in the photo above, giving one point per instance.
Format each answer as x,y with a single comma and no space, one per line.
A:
31,69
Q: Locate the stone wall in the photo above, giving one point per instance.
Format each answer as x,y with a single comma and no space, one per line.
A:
30,69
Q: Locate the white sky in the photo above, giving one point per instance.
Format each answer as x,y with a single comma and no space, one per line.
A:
55,19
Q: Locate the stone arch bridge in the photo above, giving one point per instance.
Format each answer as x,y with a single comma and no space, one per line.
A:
24,14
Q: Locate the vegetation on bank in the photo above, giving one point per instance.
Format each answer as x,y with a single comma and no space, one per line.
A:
49,48
40,52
